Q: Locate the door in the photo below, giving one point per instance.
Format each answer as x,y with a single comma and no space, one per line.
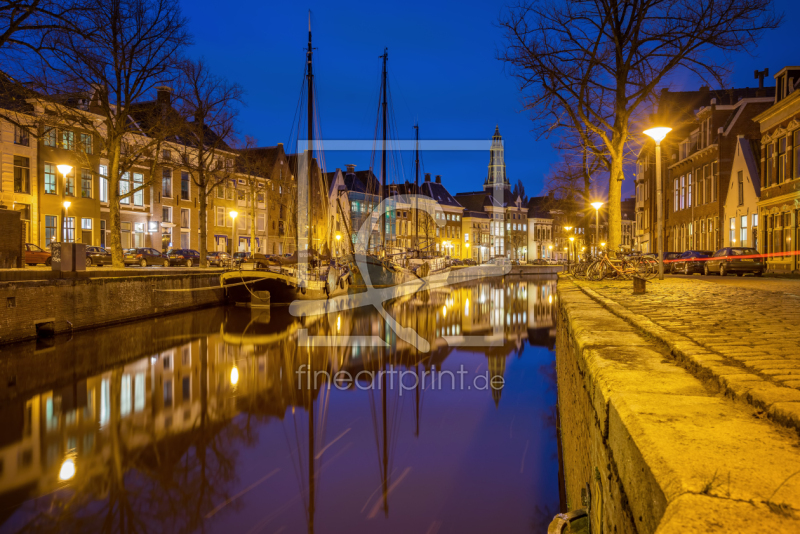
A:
86,237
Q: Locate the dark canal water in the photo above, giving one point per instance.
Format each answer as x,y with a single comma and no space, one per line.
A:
209,421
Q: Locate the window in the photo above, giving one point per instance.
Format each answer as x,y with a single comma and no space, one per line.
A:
740,178
743,231
714,177
138,196
796,145
69,230
185,218
768,165
683,192
21,136
185,240
86,183
86,143
50,229
69,184
676,191
733,231
103,183
166,214
125,188
166,183
166,155
86,224
220,191
184,186
22,175
102,233
261,222
781,160
689,190
220,216
50,137
67,140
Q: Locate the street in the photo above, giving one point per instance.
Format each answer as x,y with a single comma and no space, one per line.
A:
790,286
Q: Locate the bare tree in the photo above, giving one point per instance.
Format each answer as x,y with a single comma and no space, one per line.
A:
207,106
25,24
594,63
121,51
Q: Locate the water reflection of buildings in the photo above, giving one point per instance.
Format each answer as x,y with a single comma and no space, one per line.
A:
122,419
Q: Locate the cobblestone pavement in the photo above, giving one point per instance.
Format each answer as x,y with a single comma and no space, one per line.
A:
784,285
743,333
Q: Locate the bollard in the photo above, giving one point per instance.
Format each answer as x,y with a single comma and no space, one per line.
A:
639,285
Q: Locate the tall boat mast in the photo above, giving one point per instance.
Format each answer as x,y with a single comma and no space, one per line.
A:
416,191
385,57
310,85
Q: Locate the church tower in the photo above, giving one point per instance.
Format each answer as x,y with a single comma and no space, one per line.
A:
497,164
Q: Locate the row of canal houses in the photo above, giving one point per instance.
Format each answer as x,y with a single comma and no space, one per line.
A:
731,167
165,211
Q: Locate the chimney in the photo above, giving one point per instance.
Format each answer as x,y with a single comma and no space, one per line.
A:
351,169
164,95
438,178
427,177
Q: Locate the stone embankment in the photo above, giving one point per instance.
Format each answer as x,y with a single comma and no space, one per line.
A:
35,308
674,417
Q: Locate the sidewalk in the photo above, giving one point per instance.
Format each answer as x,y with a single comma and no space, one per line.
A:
740,335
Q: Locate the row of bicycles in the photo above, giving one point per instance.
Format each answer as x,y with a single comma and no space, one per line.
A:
603,267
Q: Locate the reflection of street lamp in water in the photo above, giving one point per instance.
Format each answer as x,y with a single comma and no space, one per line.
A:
67,470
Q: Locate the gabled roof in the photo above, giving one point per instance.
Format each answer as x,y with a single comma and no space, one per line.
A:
359,182
439,193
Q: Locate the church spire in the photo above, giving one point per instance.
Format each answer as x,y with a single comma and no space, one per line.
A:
497,165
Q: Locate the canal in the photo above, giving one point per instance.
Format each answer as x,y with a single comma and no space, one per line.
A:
236,420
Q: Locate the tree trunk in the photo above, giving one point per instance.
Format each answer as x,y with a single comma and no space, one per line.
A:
616,177
114,210
203,230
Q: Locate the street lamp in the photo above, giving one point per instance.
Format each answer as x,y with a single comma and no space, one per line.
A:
597,206
64,170
234,247
338,239
658,135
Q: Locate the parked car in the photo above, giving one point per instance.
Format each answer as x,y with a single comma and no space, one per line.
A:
669,261
35,255
739,260
143,257
185,257
497,261
217,258
97,256
691,262
539,261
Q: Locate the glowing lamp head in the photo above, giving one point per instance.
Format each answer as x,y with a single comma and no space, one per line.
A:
597,205
67,470
233,214
67,203
338,237
658,134
602,244
571,239
234,376
64,169
550,247
567,228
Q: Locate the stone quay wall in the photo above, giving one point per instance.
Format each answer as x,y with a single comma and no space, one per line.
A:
64,305
649,447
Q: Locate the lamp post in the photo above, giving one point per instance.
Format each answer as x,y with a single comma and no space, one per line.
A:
596,206
233,215
571,248
64,170
658,134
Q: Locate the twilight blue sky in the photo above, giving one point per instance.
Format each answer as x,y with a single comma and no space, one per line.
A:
443,73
